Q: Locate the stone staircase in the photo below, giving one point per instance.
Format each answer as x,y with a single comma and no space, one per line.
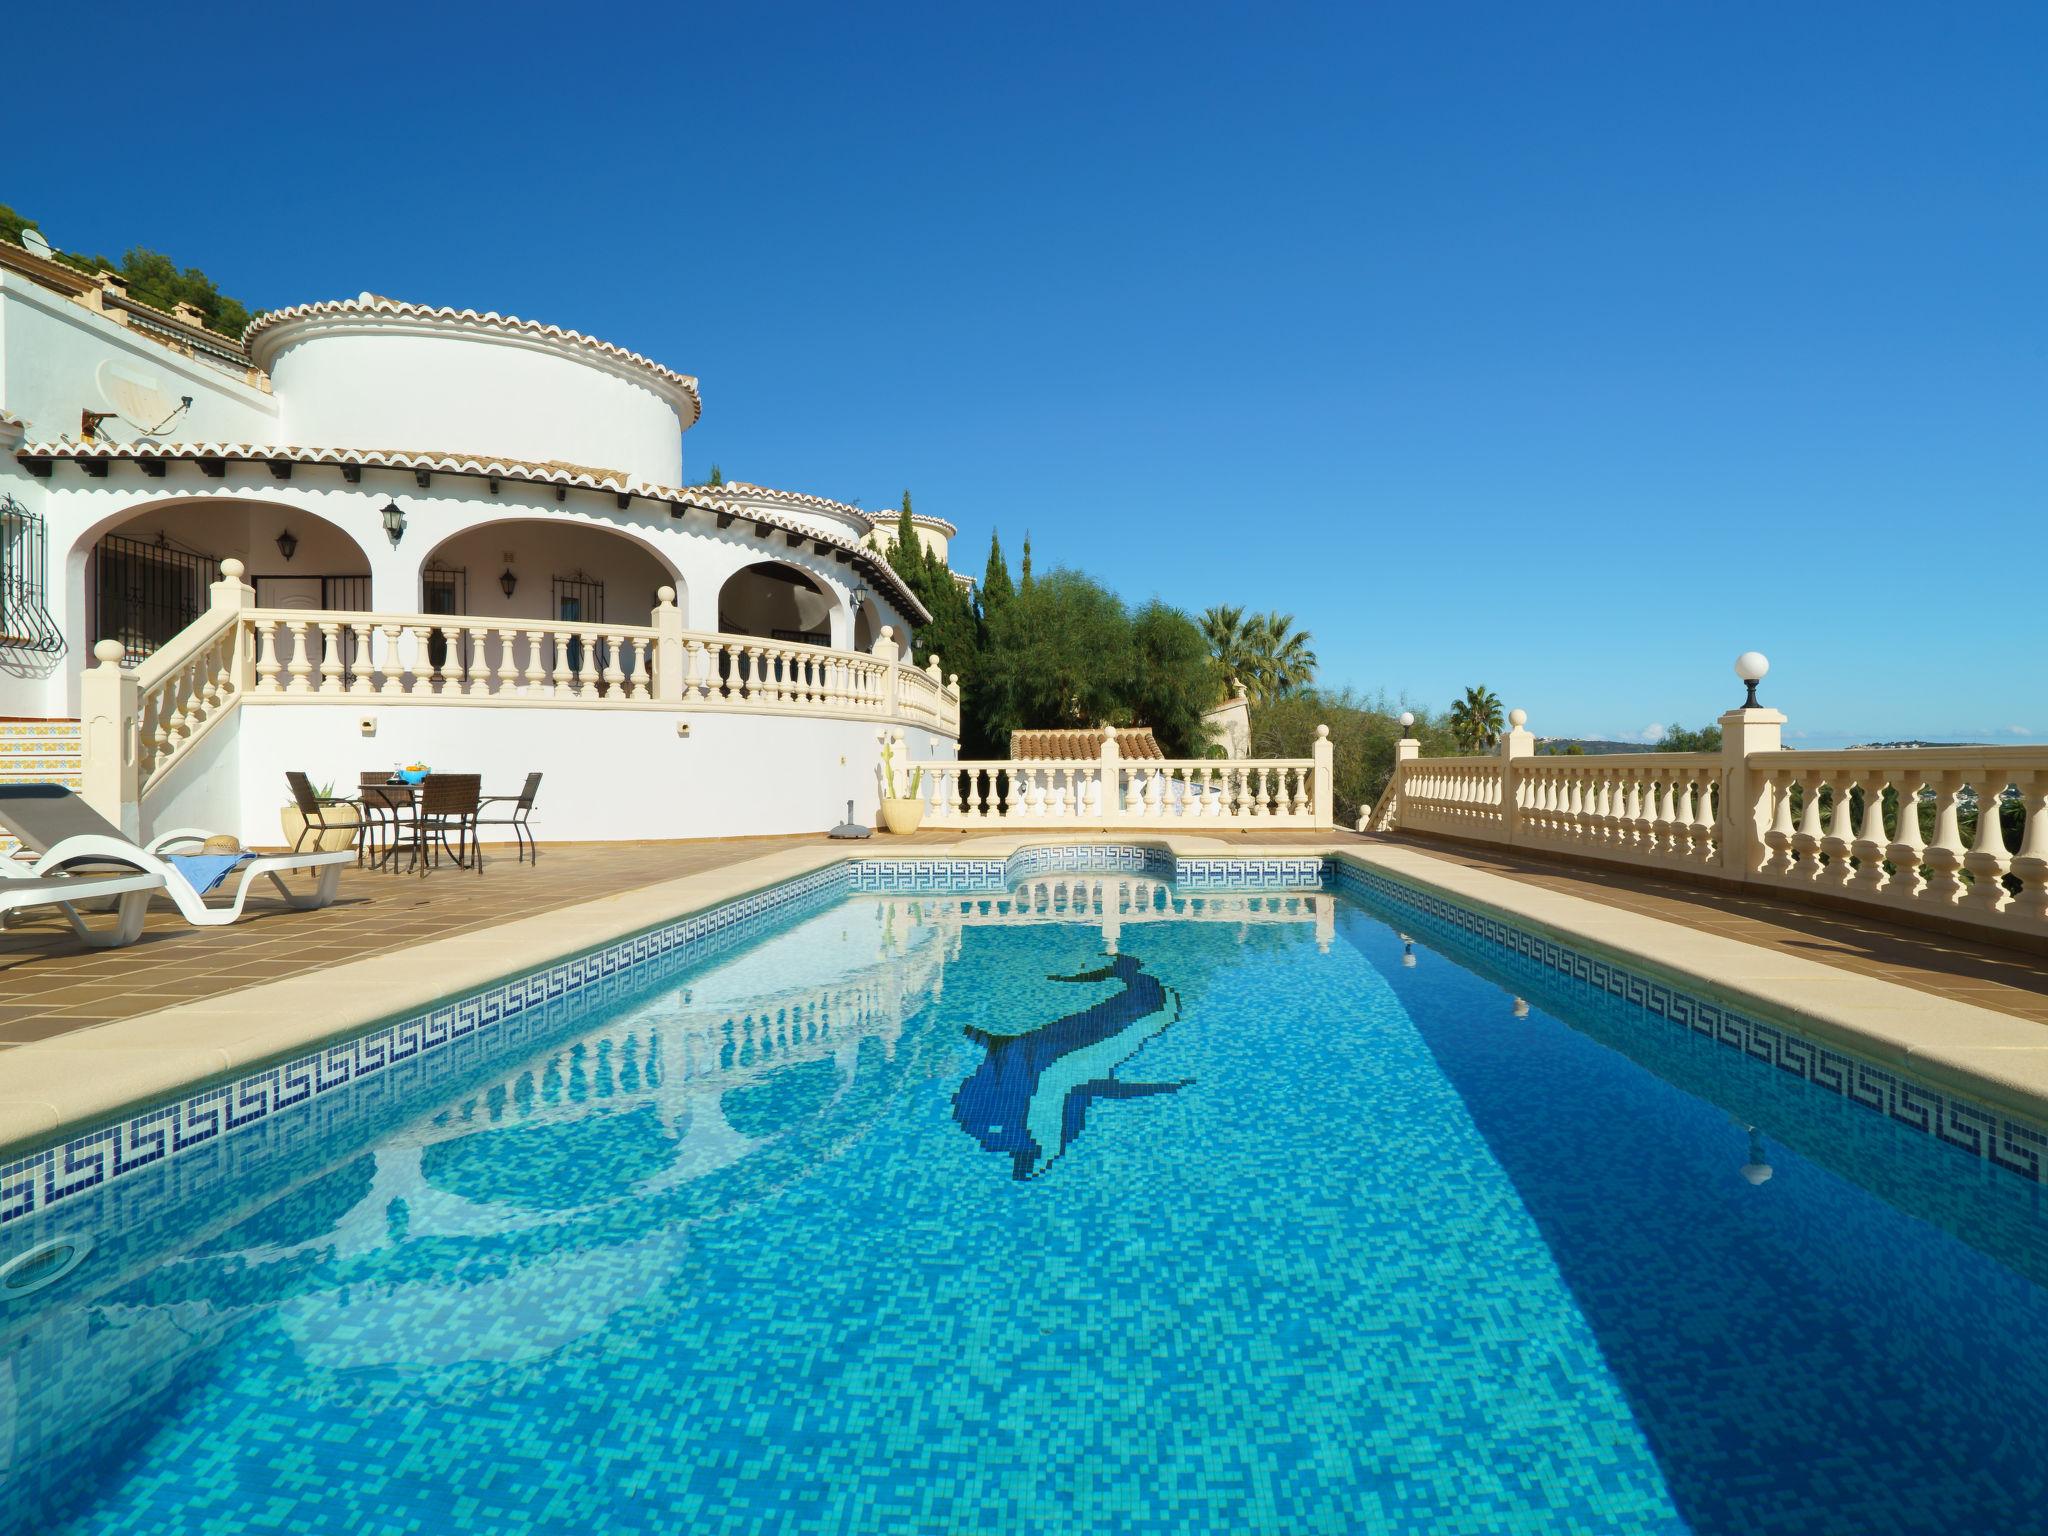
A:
38,752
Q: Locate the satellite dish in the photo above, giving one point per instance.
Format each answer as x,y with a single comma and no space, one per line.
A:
134,394
33,242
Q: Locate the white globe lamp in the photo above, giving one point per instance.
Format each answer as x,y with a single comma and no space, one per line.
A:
1407,722
1751,666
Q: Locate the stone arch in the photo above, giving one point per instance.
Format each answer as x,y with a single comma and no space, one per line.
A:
606,572
776,600
141,574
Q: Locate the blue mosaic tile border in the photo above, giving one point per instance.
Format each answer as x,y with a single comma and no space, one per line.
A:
40,1180
34,1183
2001,1140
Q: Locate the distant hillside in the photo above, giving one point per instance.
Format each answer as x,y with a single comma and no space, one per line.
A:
1591,746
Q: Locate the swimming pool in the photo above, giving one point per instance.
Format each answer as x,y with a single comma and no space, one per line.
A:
1092,1201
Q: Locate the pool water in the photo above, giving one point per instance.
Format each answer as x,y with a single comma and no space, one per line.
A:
1125,1210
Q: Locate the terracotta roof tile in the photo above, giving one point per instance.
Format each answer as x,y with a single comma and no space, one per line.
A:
862,556
377,304
1075,746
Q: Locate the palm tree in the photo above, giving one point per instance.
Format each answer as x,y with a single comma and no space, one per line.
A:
1476,720
1230,643
1284,663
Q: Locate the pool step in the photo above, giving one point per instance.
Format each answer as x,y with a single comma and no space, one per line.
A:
39,752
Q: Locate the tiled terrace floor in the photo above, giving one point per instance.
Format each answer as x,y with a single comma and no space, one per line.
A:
50,985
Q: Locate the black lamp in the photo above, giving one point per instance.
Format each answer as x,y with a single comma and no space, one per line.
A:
287,545
507,581
394,522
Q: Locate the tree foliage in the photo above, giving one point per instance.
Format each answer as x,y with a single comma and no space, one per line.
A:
996,586
1363,731
152,278
1680,739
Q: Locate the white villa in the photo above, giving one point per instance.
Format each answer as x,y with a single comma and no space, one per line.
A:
373,533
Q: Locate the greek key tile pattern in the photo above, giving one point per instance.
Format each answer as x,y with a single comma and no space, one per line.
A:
40,1180
2016,1146
47,1178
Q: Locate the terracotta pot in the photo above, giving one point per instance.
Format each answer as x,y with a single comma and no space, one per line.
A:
901,816
336,839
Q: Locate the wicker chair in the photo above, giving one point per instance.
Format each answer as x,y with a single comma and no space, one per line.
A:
313,810
448,802
520,807
387,815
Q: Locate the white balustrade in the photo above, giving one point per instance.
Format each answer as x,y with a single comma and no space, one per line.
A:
1918,831
1915,830
297,656
1113,792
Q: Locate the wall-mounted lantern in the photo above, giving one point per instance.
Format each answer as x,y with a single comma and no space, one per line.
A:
507,581
394,522
287,545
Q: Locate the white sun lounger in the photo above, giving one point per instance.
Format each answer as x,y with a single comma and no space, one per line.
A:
62,831
20,892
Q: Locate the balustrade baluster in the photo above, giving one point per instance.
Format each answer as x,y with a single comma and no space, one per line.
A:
1988,859
587,674
356,669
2031,862
1706,837
1807,840
643,668
1868,846
330,656
266,656
699,682
1943,861
1841,835
504,682
614,674
1907,850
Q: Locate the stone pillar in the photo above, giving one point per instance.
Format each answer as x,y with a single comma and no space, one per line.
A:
1517,743
884,649
231,594
1323,789
109,703
1745,804
669,681
1111,808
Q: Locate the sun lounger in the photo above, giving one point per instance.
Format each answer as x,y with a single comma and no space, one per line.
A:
63,833
131,890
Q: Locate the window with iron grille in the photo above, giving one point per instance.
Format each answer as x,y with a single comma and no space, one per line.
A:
148,592
25,622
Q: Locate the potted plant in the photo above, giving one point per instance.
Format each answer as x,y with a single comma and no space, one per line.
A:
900,813
343,821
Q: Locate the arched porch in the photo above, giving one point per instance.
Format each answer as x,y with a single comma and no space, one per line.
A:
142,575
778,601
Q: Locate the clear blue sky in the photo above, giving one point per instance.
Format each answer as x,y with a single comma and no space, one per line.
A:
1566,348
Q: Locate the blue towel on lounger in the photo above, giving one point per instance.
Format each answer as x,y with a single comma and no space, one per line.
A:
204,871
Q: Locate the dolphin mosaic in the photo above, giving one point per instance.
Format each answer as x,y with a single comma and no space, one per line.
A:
1030,1095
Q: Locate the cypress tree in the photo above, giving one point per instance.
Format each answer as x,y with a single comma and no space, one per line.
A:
1024,579
996,587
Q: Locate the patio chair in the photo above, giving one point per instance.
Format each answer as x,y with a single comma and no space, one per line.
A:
130,891
66,834
448,802
521,807
313,810
387,813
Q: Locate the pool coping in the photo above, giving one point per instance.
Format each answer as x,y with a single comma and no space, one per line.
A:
90,1076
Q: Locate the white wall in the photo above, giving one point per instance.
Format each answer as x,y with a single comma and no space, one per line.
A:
369,381
50,354
611,774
